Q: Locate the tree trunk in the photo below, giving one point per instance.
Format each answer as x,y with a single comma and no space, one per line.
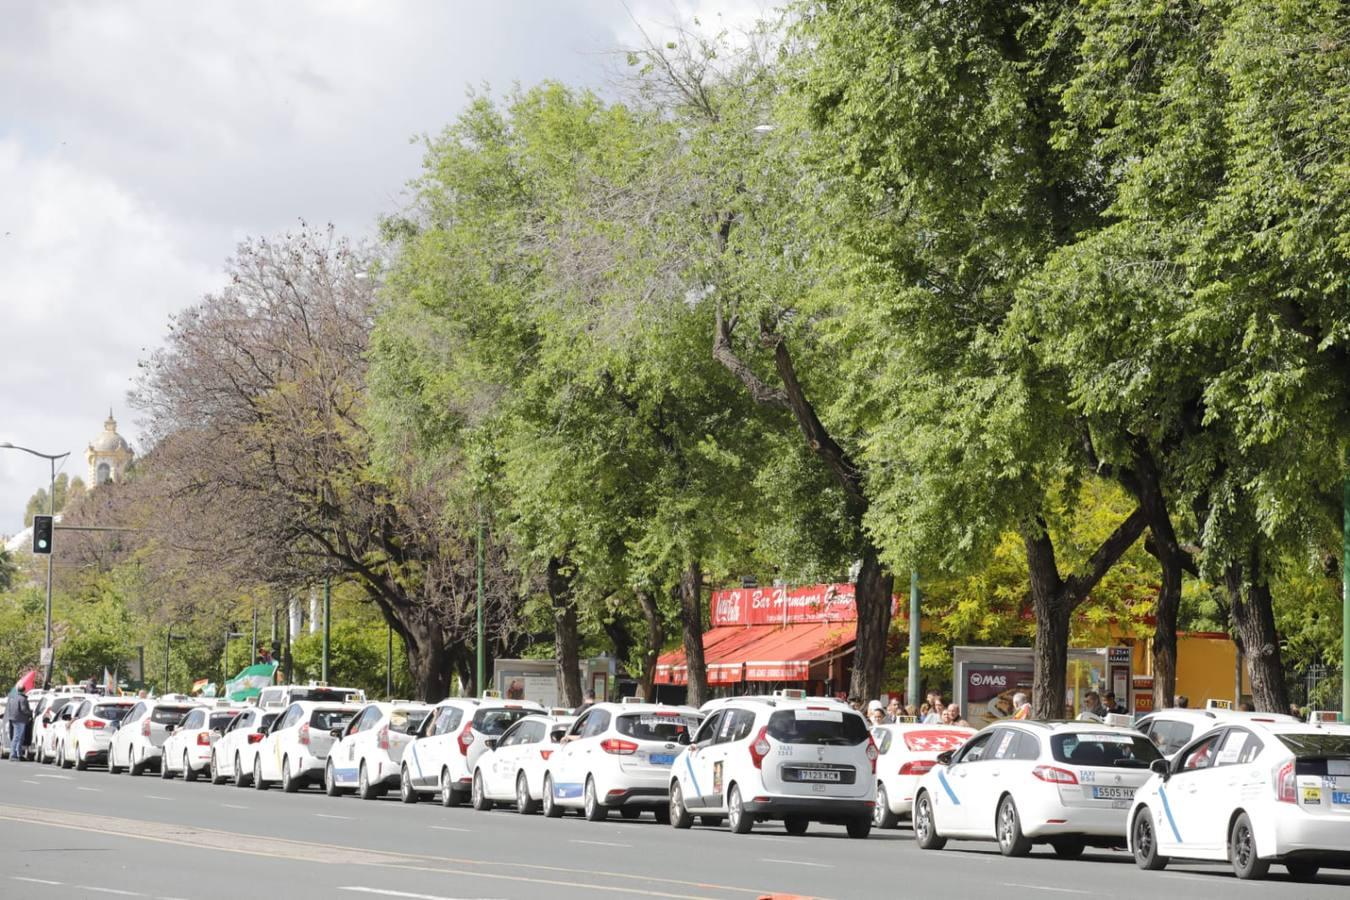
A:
620,639
428,661
651,648
1254,625
567,641
873,595
691,619
1165,631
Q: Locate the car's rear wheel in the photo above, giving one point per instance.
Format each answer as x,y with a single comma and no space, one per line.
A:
1011,840
796,825
289,783
590,803
448,796
1301,870
406,792
259,783
679,816
882,817
525,804
330,785
859,828
477,797
925,826
1242,850
1069,848
1144,841
240,778
551,809
661,814
741,821
188,773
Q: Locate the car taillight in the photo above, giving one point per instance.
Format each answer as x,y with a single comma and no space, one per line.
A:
622,748
1054,775
94,724
203,739
872,754
145,728
255,737
465,739
917,767
759,747
382,738
1285,783
545,753
304,734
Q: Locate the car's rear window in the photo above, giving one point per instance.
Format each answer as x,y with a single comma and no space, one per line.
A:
1106,749
111,712
817,726
58,704
221,720
169,715
267,720
494,721
1306,745
322,695
328,719
654,726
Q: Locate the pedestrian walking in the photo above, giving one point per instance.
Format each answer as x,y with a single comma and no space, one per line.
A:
1183,702
1092,706
876,713
1112,706
19,715
1021,706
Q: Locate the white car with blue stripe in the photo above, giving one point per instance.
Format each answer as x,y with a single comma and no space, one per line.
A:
442,758
296,746
1066,784
618,756
1252,793
368,755
511,767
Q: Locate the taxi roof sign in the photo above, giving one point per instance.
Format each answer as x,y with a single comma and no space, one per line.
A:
1218,704
492,695
1324,715
630,700
791,693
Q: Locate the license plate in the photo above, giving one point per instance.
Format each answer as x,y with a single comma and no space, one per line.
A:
662,759
817,774
1112,793
1340,797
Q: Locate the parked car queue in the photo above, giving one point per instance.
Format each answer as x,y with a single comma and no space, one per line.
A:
1251,789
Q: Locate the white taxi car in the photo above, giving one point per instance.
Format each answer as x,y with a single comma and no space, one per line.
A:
51,722
139,741
295,749
232,755
511,768
1068,784
187,751
277,697
1172,729
1252,793
90,731
906,751
794,760
442,758
618,755
370,751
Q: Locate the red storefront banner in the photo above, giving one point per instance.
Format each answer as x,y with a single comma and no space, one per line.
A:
784,606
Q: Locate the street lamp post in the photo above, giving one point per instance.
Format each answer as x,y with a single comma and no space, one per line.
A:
51,510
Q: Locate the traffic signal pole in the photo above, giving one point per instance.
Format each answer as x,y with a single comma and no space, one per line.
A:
914,696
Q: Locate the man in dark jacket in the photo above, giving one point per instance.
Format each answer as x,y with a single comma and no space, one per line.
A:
19,715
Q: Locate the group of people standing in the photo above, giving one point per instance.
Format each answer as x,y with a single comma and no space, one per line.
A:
932,711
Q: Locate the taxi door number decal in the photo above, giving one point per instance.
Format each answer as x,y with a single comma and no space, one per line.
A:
717,777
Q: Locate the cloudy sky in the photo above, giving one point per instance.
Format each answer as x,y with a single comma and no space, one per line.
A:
139,141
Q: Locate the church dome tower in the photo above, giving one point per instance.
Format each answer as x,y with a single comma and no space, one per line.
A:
109,454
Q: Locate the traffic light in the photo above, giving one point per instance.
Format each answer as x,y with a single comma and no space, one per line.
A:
42,534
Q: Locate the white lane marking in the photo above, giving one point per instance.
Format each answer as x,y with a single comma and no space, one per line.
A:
91,790
34,880
103,890
326,816
1041,887
38,783
450,828
59,777
600,843
383,892
157,797
233,806
798,862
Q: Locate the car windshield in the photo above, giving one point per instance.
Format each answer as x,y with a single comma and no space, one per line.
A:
328,719
111,712
1317,744
669,727
1106,749
221,720
169,715
494,721
817,726
267,720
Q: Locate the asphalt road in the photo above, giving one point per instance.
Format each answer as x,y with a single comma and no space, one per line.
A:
87,834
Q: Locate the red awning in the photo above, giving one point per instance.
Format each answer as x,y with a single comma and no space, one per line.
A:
735,654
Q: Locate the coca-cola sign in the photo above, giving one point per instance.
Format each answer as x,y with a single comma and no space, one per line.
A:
781,606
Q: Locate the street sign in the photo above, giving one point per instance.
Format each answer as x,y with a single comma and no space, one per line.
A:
46,657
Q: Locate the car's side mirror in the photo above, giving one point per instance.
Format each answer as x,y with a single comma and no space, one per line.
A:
945,757
490,743
336,733
1160,767
169,729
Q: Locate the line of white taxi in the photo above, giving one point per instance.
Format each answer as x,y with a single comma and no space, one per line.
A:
1250,789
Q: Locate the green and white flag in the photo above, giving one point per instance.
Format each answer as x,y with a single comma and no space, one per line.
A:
250,681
